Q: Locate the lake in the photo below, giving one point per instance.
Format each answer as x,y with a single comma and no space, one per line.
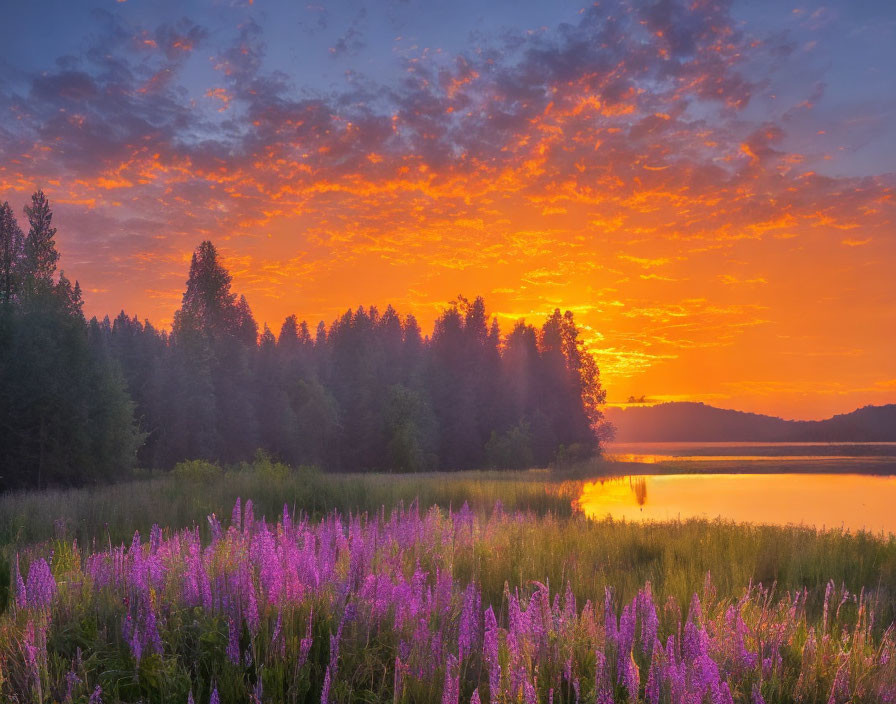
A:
754,457
822,485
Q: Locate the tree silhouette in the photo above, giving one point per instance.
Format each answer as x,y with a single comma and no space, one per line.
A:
82,401
65,414
12,251
40,255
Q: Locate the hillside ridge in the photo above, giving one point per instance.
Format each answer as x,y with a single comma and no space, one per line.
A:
689,421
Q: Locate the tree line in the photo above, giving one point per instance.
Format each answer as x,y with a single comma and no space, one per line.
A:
85,401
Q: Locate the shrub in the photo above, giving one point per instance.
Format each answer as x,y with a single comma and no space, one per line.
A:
263,465
197,471
569,455
511,449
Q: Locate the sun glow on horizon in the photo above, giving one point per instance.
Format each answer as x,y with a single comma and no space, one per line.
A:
659,172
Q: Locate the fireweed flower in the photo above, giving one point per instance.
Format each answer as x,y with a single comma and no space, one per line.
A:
31,650
305,646
654,676
40,587
236,516
469,620
325,692
451,689
392,577
21,591
71,680
233,642
248,517
611,625
491,654
756,696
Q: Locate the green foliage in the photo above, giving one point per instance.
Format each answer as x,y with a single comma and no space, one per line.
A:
571,455
265,467
197,471
411,429
511,449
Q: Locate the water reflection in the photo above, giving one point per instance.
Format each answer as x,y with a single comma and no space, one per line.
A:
639,486
848,501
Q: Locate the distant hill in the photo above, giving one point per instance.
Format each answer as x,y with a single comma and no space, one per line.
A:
697,422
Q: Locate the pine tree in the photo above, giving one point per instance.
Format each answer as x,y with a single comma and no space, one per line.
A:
289,334
208,302
12,252
245,327
70,296
65,413
41,255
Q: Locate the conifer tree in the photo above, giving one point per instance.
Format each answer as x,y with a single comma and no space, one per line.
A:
12,252
41,255
208,302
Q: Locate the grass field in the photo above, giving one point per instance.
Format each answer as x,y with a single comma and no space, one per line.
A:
133,621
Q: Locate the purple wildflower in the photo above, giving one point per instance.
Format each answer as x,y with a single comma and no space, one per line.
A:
71,679
469,620
41,587
305,646
215,526
21,590
654,677
233,642
611,625
530,696
756,696
248,517
325,691
451,690
237,515
491,655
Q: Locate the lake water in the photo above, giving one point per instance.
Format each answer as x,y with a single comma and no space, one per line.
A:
849,486
846,452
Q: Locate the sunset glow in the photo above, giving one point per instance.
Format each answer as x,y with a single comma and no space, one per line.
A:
710,188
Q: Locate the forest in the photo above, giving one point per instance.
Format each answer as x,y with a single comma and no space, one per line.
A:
88,401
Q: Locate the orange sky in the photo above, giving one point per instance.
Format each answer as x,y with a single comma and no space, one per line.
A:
706,255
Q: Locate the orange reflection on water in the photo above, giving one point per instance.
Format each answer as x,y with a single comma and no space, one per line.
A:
849,501
653,459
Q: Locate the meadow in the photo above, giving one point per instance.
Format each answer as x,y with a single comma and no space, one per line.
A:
267,584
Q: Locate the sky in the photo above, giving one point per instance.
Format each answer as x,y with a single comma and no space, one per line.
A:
709,186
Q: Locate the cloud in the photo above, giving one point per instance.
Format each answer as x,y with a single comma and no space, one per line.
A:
594,162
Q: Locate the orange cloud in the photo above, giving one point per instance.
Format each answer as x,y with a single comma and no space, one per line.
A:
561,182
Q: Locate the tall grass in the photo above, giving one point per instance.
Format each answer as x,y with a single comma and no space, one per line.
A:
419,605
177,500
560,546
